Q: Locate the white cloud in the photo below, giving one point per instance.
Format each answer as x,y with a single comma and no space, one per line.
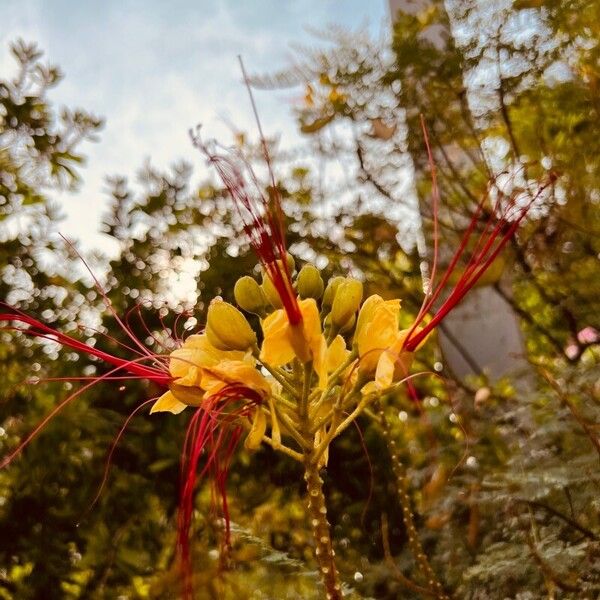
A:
155,69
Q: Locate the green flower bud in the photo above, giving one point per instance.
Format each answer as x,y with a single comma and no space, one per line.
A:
349,326
270,292
227,328
291,263
309,282
249,296
346,302
366,313
330,291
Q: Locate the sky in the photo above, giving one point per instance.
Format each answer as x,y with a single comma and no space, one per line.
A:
154,69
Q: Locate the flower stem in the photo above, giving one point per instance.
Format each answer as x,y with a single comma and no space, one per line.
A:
281,379
317,511
407,516
303,406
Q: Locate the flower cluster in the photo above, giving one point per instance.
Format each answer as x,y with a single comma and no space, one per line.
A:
310,379
320,356
301,383
294,384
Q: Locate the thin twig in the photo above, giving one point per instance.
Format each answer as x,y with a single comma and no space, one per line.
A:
389,559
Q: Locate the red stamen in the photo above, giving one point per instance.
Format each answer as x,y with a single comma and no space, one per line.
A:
39,329
488,246
110,338
262,222
106,299
113,447
137,308
214,432
38,428
262,218
179,338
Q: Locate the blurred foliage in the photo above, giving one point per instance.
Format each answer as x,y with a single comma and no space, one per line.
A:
504,478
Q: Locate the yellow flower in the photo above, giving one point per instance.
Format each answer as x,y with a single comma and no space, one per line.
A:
282,341
376,330
380,343
168,403
187,367
394,363
197,352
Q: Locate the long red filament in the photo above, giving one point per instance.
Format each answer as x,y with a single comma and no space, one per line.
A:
262,223
113,447
262,217
41,330
213,435
106,300
489,244
6,460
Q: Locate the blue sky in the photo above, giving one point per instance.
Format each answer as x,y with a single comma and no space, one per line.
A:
153,69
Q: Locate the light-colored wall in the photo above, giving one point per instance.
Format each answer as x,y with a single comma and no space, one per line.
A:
482,334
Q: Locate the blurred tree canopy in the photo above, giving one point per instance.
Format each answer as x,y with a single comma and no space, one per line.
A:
504,481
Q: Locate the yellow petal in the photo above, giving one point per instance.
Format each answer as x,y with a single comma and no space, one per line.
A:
233,371
314,346
191,377
378,334
365,316
283,341
327,360
384,374
211,383
276,348
311,325
259,427
167,403
337,354
197,351
394,363
188,395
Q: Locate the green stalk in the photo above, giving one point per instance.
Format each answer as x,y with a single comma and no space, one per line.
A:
407,516
303,406
317,512
281,379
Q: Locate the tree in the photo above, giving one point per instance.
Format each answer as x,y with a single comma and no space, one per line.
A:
503,483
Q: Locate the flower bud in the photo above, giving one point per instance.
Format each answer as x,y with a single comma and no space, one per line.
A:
291,263
227,328
367,312
270,292
249,296
330,291
309,282
349,326
346,302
